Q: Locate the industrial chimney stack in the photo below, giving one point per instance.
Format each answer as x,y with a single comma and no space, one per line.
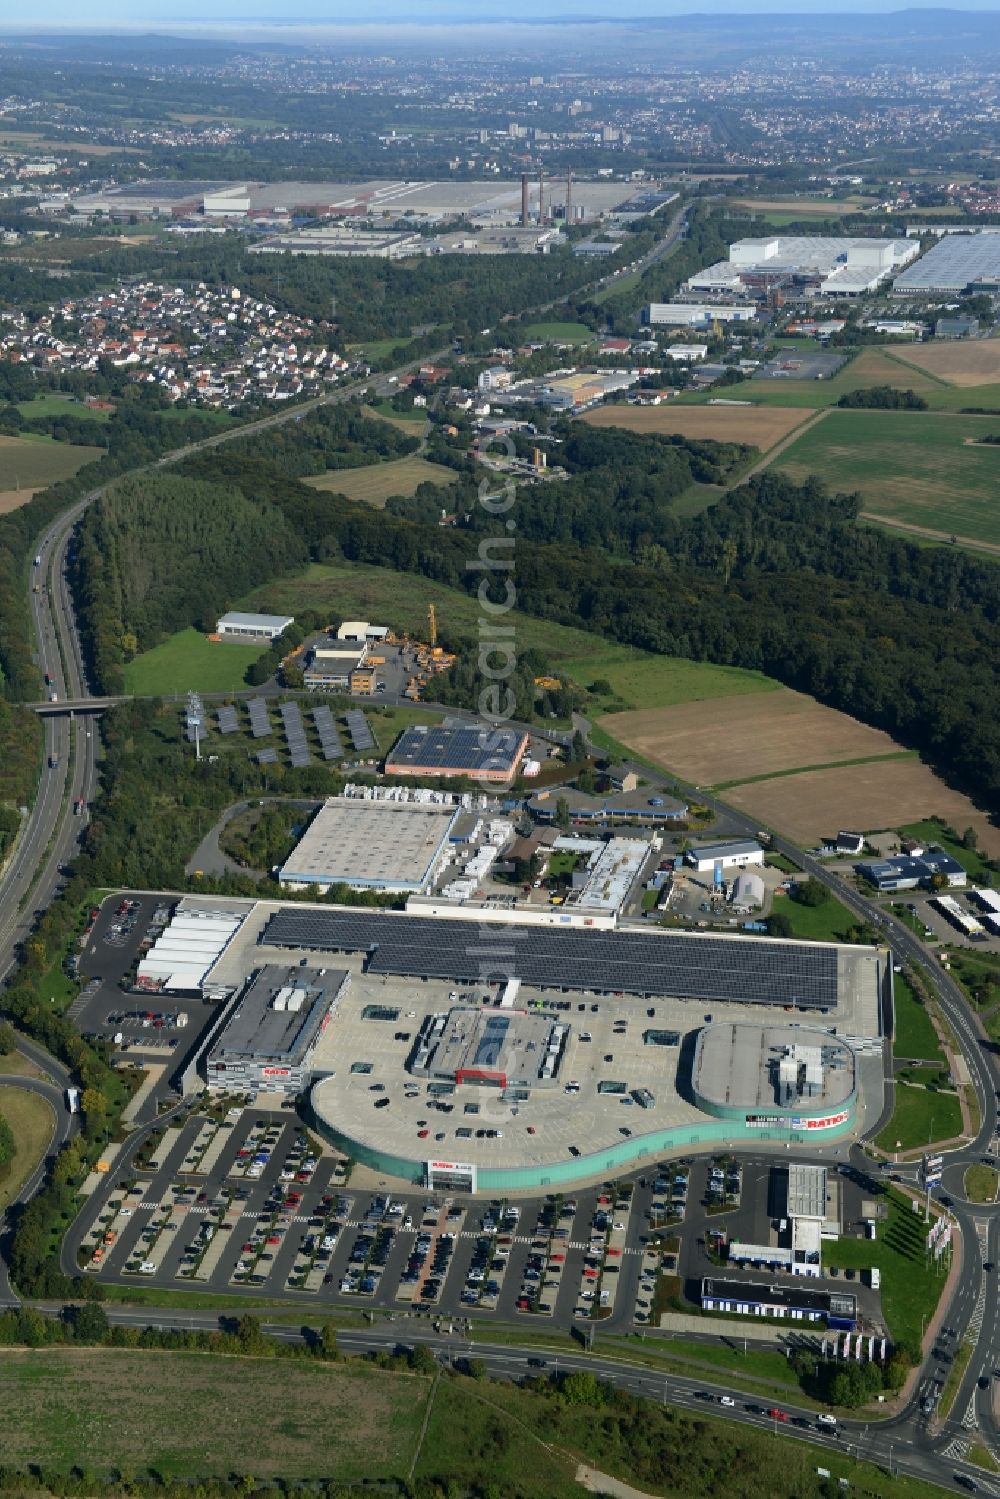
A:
525,216
541,197
569,197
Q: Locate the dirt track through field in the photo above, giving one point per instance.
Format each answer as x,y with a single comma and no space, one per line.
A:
786,442
905,526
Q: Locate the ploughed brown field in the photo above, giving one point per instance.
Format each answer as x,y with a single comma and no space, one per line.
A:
759,426
731,739
964,362
882,794
13,499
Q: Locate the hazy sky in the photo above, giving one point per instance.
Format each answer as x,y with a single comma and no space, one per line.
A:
115,14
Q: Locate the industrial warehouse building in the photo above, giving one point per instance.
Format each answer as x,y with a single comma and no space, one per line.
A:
270,1038
808,1217
371,845
332,663
189,947
740,852
695,314
456,748
957,263
246,627
829,265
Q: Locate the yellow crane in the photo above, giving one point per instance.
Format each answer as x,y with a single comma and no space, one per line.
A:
432,624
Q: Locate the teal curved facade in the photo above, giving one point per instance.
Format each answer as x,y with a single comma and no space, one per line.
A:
611,1161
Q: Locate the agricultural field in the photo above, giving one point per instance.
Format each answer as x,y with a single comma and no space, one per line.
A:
759,428
375,483
801,208
32,1121
401,599
962,362
882,793
54,404
192,1414
412,422
28,464
559,333
927,469
723,743
887,365
190,662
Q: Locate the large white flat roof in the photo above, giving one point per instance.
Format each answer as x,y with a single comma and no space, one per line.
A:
383,845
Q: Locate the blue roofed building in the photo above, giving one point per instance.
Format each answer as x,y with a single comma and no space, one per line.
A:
908,871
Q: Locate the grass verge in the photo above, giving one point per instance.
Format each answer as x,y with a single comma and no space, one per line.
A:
922,1116
914,1036
981,1183
32,1122
910,1286
953,1383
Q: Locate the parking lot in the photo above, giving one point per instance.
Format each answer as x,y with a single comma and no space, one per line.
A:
142,1028
238,1199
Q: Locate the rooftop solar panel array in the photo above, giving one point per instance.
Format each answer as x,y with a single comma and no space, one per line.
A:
267,757
329,739
260,722
702,968
357,727
295,734
458,746
228,721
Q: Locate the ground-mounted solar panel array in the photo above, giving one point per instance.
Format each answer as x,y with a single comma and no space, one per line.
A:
357,727
228,720
295,734
267,757
260,722
702,968
326,729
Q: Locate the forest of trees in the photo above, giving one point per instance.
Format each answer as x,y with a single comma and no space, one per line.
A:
158,553
776,577
329,437
882,398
